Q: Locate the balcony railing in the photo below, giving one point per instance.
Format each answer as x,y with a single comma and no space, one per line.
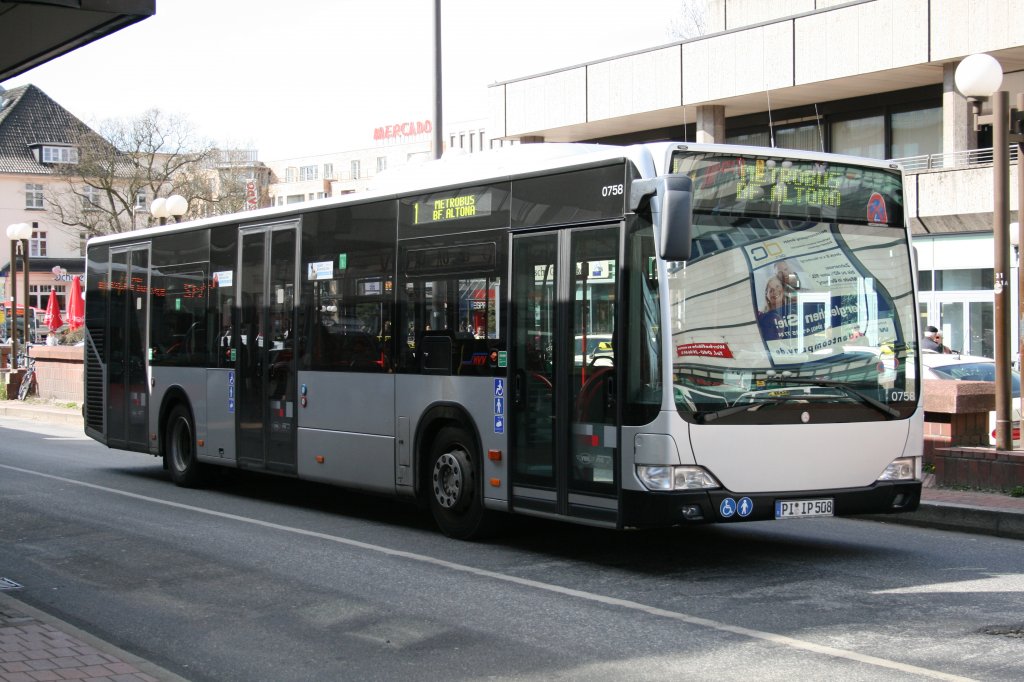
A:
951,160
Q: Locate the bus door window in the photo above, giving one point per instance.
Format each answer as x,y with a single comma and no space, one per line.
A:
594,256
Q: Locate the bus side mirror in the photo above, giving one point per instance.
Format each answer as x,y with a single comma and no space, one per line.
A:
668,199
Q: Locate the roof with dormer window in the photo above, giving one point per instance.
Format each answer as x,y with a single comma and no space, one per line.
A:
30,119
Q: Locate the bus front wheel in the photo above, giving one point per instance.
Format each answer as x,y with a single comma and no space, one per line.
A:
455,492
180,449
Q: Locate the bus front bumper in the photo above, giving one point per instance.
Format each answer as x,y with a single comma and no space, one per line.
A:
650,509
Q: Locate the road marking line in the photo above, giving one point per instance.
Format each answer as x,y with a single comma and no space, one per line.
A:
781,640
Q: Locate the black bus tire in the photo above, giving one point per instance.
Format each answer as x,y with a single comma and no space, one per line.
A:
180,449
455,490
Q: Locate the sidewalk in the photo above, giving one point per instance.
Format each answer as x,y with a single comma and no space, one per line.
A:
36,647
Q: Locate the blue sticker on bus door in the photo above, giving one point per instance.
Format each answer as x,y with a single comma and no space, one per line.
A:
728,507
499,388
499,423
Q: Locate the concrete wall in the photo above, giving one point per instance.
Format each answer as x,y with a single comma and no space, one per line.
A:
860,39
646,82
801,51
59,373
737,63
550,101
956,200
962,27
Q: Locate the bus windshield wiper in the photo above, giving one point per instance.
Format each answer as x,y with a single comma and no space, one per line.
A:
706,417
849,390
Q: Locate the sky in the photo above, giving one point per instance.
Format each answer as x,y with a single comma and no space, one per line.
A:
302,77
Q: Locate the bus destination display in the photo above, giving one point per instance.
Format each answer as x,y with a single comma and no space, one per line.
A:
466,204
788,188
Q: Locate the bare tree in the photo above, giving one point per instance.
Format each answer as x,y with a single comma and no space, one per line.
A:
125,166
691,22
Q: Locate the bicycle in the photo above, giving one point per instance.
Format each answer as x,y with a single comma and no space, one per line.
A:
30,374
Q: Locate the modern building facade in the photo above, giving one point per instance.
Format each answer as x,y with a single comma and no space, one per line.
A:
306,178
866,77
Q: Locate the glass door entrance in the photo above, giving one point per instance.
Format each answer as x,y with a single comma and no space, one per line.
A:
563,414
127,385
265,345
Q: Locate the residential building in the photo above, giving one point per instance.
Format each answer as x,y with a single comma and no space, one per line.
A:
868,77
36,133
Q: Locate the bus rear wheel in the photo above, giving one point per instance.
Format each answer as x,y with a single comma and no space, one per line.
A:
456,497
180,449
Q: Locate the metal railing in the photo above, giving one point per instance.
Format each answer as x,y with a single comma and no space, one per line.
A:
951,160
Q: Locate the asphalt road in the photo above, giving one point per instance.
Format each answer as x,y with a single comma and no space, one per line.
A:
261,578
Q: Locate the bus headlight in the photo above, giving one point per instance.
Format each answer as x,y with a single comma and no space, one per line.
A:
676,478
902,469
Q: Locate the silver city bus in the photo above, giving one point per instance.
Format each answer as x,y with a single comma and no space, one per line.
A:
753,311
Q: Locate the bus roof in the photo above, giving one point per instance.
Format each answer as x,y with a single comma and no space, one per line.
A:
651,160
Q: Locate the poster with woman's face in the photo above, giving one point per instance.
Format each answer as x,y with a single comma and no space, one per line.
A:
809,295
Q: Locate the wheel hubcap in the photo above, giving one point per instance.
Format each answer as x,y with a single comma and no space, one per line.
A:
447,480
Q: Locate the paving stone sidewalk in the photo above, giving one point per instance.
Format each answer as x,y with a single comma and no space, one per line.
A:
36,647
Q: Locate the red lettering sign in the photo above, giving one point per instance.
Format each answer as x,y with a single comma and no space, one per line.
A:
397,130
704,350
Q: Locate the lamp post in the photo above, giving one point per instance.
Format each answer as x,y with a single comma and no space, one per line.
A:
978,77
18,233
1015,242
174,205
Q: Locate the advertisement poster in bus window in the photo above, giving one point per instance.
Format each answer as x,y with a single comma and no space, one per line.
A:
810,296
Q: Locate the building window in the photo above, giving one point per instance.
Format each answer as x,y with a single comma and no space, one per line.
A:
382,164
916,132
90,197
295,198
308,173
860,137
33,195
140,200
328,171
37,243
806,137
355,170
291,174
60,155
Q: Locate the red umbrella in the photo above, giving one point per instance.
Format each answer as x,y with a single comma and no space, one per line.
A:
52,317
76,306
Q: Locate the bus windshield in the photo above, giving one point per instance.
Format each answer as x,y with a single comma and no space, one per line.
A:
796,308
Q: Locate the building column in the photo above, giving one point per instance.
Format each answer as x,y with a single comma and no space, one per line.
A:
958,133
711,124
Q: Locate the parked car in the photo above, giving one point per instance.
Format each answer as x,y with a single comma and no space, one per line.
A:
956,367
594,342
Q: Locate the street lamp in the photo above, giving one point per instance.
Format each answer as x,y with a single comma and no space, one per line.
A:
978,77
1016,232
18,233
174,205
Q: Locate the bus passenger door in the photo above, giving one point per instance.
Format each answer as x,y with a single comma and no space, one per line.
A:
127,385
265,365
563,417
